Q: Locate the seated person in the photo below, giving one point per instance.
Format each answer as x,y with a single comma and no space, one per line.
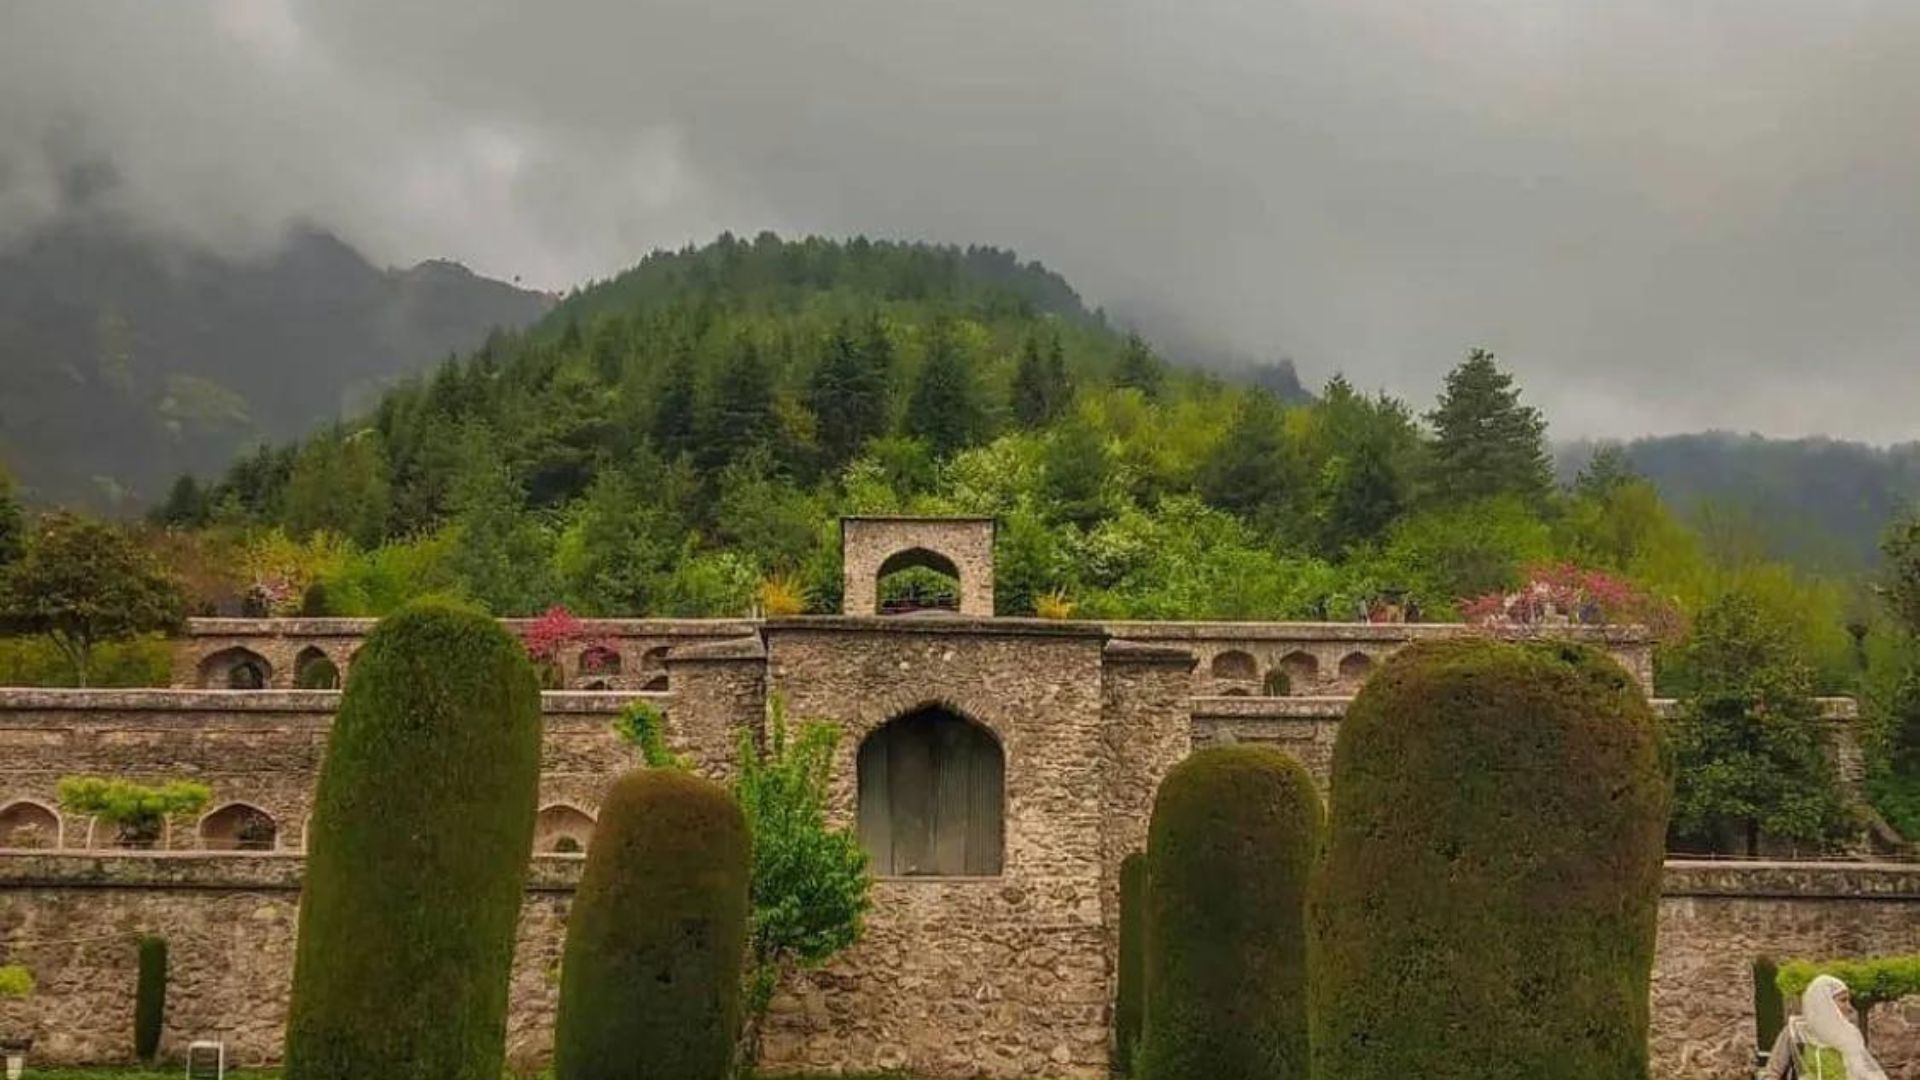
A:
1822,1043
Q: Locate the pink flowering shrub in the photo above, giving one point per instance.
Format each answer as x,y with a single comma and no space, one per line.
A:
549,636
1565,594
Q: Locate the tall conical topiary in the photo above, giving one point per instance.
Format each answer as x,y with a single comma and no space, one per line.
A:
1487,902
1129,997
150,998
650,984
1234,834
1769,1008
417,856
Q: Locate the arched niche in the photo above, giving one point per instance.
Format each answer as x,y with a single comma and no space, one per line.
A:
235,668
560,829
1356,666
239,826
1301,669
313,669
873,548
1277,683
1235,666
599,661
658,683
932,787
917,579
29,825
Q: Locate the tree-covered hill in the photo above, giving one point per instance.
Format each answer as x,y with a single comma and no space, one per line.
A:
1824,504
126,358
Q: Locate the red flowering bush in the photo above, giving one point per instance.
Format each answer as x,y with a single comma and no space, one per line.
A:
547,637
1569,595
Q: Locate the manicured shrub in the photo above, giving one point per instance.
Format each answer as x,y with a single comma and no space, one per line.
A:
1769,1007
1870,982
1232,843
1129,999
651,982
417,856
150,998
1488,898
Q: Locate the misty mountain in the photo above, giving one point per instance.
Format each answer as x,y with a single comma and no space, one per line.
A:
126,359
1821,503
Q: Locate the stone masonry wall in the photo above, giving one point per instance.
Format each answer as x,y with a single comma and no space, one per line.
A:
866,543
1005,975
230,920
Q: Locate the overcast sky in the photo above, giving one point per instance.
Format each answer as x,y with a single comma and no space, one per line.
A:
1665,214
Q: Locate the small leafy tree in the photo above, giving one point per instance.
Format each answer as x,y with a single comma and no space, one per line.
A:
810,879
82,582
1869,982
1749,746
136,811
641,725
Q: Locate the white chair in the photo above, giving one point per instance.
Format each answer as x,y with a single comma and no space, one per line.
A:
206,1060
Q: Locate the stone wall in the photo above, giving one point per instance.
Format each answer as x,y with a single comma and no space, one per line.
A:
229,921
258,748
868,543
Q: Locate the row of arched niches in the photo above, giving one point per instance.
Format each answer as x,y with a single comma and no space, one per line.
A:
31,825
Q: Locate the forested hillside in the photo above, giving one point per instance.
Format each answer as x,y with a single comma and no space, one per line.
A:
126,359
1822,503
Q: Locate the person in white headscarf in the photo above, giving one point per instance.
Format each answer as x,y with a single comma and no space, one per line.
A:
1824,1024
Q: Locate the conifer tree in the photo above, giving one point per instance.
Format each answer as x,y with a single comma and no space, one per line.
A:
737,414
13,521
1255,471
1139,368
1041,388
850,390
1485,442
945,406
1365,479
673,414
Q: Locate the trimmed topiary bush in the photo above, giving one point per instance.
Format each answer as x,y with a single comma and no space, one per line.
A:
1129,999
150,998
417,856
1488,898
657,936
1234,834
1769,1008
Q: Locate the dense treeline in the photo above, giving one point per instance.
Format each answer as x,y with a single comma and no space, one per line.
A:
679,441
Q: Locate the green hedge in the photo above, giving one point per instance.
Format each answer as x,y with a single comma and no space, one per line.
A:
417,858
1129,1000
1769,1006
1869,982
1488,899
1232,843
656,939
150,998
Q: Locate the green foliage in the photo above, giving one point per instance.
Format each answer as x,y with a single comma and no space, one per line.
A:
650,985
642,726
1257,471
851,389
150,998
1902,588
500,553
33,661
810,880
945,407
417,855
1749,743
137,811
1139,369
1769,1007
339,485
1870,982
1226,967
1494,853
83,582
1042,388
1487,444
15,981
735,416
1130,985
13,521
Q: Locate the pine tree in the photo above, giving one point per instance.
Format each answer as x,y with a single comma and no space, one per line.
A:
1255,471
13,521
1606,471
737,414
1139,368
945,406
1041,387
1365,478
673,415
1485,442
850,390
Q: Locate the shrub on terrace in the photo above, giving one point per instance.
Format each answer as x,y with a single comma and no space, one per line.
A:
651,983
1232,842
421,837
1488,897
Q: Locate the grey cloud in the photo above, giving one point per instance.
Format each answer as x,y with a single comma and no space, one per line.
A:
1666,216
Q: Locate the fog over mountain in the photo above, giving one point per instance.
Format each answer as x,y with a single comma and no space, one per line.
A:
1666,217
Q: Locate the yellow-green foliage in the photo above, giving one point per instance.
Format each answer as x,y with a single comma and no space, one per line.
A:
782,595
650,988
1870,982
417,857
1487,902
32,661
1234,834
117,801
15,981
